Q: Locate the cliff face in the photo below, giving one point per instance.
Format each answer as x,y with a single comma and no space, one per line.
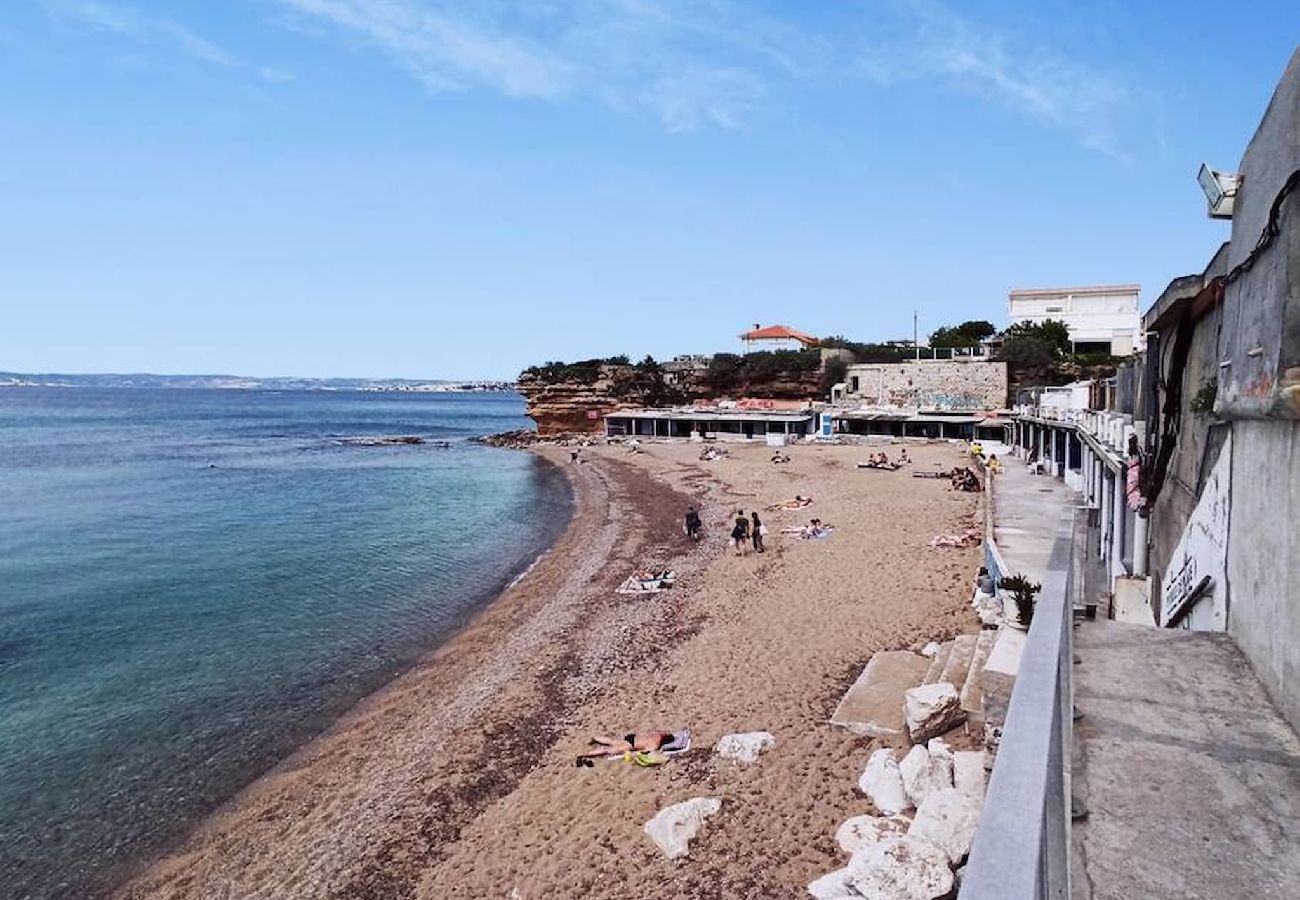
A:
578,400
572,404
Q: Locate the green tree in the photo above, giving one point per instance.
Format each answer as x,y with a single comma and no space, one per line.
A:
723,373
834,372
967,334
1052,332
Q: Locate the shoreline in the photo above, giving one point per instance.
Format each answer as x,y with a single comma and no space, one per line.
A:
457,778
492,622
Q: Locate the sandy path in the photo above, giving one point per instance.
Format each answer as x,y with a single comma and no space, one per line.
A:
458,780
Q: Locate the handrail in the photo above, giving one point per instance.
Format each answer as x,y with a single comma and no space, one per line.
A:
1022,846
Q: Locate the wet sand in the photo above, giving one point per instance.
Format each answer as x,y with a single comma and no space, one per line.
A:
457,780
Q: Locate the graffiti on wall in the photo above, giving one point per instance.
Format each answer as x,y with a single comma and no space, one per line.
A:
1202,552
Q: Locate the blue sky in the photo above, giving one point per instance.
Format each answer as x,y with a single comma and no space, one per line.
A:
459,188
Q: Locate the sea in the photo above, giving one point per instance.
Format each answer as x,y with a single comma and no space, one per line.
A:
195,582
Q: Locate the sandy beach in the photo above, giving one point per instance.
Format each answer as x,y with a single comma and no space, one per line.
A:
458,779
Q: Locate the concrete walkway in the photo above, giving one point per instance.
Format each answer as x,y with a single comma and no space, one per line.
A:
1027,515
1190,777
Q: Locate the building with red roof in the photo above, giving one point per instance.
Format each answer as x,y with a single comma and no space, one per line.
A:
776,337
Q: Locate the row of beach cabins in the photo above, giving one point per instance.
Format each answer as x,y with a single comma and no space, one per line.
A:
777,422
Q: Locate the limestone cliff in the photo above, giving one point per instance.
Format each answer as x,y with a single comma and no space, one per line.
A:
572,404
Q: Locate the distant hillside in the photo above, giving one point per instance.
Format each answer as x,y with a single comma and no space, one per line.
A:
239,382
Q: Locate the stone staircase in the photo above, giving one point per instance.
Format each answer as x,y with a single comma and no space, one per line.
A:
873,705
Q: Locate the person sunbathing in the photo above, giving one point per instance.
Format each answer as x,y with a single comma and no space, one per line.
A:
635,742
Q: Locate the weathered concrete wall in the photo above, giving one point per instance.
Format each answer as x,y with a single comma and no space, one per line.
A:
932,384
1259,393
1261,317
1263,542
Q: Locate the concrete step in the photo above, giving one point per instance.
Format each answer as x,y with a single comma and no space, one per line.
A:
959,659
873,706
972,691
937,663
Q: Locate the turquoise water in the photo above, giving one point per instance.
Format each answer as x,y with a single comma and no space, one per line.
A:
192,582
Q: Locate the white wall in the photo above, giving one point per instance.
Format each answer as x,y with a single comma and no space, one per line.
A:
1110,316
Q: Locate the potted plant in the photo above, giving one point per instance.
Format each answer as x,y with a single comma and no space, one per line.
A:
1022,592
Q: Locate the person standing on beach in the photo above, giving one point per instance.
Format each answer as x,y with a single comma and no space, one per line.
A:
740,533
692,523
757,530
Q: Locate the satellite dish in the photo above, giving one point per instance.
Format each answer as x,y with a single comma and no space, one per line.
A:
1220,190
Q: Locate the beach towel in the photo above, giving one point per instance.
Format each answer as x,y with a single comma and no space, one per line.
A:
639,585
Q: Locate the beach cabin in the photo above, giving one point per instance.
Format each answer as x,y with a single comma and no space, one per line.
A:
902,422
710,423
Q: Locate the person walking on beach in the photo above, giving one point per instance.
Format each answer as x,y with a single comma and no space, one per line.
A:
757,530
692,523
740,533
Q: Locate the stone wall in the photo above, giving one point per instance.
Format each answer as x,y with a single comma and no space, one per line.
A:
931,384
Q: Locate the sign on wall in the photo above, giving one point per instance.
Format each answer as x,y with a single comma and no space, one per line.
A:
1201,554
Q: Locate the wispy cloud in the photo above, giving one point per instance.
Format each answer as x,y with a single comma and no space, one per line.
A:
128,22
689,63
931,41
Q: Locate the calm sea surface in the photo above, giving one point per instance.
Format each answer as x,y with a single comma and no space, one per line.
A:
192,582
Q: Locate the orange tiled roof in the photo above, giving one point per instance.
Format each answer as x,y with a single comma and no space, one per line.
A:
777,332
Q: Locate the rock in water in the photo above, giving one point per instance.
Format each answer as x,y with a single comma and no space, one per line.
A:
860,832
931,710
883,783
924,773
744,747
905,868
948,820
673,826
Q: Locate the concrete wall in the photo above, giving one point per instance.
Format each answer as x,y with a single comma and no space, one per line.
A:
1263,577
1261,315
1259,393
931,384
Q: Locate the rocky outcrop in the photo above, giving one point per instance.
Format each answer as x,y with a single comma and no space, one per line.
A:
575,403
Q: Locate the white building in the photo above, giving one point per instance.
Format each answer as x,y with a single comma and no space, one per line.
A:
1101,319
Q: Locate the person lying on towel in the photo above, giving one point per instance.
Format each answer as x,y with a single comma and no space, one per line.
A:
635,742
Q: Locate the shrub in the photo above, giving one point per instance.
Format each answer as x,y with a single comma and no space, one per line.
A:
1023,591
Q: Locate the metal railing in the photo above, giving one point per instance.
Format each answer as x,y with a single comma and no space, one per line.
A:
1022,847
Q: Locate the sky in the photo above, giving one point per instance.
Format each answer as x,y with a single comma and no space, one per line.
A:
462,188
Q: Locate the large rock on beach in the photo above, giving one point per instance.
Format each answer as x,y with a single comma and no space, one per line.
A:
948,819
673,826
905,868
931,710
968,774
882,782
924,773
744,747
860,832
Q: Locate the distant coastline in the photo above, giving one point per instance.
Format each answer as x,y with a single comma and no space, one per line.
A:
247,383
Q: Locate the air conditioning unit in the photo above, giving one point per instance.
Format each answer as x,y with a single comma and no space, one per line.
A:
1220,190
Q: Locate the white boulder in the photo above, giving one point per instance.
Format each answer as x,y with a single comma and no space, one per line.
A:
923,773
968,772
883,784
905,868
948,819
673,826
832,885
931,710
744,747
860,832
930,650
